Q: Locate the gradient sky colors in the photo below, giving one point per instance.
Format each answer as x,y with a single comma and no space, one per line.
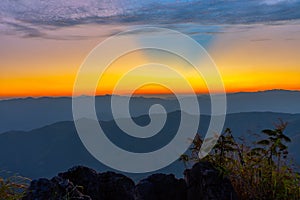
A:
41,53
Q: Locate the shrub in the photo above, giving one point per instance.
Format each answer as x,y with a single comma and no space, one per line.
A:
13,187
258,171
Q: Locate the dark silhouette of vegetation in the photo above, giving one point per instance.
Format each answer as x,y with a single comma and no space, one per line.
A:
258,171
13,187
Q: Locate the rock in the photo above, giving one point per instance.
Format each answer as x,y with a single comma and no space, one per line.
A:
101,186
84,177
116,186
204,182
56,188
161,187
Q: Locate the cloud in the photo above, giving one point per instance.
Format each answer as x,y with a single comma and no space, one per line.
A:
260,40
274,2
34,16
17,27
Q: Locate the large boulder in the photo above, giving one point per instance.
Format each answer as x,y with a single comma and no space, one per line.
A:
161,187
101,186
205,182
56,188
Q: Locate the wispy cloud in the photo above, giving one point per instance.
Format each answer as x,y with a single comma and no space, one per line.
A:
33,16
274,2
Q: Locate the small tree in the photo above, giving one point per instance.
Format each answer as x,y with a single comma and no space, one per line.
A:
274,144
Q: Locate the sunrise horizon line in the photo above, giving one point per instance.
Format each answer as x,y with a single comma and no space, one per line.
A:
146,95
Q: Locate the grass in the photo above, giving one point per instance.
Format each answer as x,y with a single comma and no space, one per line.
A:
261,170
13,187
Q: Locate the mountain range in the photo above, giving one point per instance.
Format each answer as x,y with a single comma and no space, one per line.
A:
45,151
31,113
38,137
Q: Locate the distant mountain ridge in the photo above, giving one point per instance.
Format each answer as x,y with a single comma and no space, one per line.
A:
30,113
45,151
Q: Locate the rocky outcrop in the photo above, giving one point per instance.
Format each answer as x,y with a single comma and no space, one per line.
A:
82,180
161,187
56,188
206,183
202,182
101,186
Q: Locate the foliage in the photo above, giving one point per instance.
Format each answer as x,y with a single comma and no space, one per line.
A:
258,171
13,187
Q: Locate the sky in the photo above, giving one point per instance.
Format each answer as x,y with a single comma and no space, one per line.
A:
255,44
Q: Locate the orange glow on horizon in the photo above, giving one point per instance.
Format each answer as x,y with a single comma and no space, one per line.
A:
261,58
